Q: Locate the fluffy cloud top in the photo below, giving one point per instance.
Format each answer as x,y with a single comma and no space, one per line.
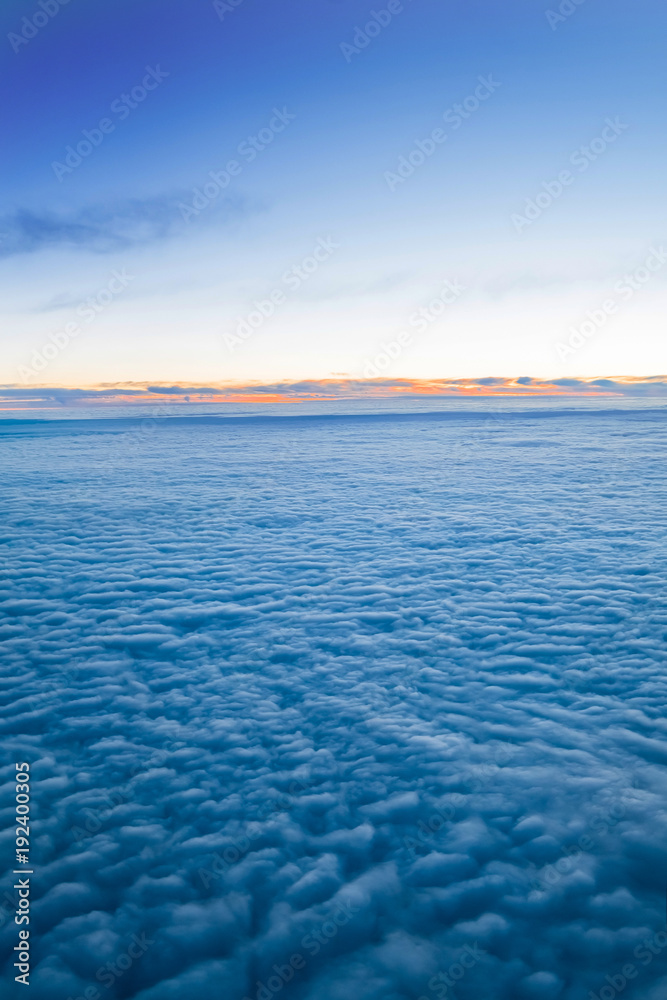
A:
323,709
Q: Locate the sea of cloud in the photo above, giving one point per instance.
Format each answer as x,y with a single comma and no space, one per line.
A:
339,709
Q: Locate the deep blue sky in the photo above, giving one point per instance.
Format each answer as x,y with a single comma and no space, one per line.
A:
324,176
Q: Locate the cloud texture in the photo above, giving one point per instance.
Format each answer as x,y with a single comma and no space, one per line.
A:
332,390
100,228
347,690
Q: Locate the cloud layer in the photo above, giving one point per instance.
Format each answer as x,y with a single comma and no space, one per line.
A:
375,702
331,389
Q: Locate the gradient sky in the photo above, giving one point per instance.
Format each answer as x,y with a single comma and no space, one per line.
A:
324,177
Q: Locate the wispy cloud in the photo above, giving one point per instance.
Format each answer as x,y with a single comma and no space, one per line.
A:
102,228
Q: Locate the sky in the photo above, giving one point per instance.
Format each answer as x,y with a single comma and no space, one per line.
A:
411,190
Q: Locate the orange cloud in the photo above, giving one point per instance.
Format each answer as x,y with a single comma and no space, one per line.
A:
323,390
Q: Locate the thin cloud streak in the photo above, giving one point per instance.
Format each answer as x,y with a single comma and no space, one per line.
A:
103,228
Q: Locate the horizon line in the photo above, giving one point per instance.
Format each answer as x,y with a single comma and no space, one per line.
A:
332,389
